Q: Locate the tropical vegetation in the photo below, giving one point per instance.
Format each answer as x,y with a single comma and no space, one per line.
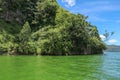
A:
42,27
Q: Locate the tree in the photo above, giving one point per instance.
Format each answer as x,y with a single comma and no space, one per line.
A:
18,10
107,35
46,13
24,37
54,31
7,43
95,44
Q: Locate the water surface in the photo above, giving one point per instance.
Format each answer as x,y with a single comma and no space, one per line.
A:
92,67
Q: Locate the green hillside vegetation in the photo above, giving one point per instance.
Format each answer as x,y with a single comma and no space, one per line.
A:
41,27
11,28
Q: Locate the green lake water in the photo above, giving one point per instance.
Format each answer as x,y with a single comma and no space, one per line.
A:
91,67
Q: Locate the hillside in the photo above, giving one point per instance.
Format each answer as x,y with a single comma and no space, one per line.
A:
12,28
113,48
42,27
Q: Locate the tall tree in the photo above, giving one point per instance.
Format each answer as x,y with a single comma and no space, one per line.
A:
46,13
24,37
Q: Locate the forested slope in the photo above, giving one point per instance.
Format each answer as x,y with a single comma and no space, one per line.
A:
42,27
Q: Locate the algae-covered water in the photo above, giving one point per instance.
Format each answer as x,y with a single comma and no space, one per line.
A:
90,67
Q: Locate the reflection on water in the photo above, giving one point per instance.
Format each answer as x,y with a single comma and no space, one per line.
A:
94,67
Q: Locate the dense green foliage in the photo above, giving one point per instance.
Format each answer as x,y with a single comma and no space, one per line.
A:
47,30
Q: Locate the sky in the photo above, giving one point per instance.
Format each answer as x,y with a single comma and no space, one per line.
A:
105,14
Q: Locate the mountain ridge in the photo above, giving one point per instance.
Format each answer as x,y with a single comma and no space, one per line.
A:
113,48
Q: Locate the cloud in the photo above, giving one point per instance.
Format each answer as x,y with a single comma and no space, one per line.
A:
112,41
102,37
69,3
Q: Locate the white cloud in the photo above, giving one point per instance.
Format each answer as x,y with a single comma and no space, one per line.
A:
69,3
112,41
102,37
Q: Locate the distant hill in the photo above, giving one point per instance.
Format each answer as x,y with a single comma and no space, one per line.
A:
113,48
